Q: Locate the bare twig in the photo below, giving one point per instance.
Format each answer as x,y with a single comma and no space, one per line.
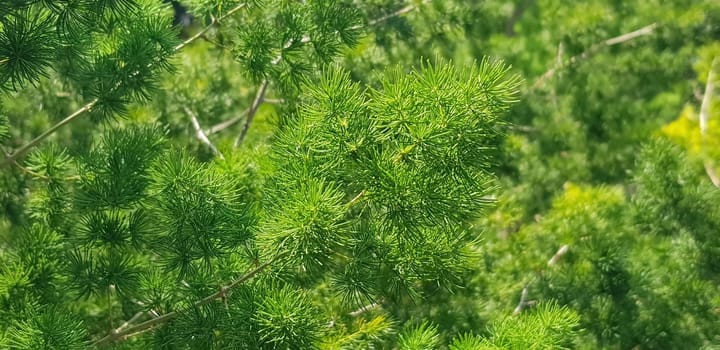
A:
201,135
366,308
129,322
705,116
22,151
398,13
274,100
226,124
523,302
251,113
647,30
213,22
356,198
148,325
559,254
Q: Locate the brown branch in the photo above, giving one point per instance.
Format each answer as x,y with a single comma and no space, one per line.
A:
125,333
251,113
86,108
647,30
705,116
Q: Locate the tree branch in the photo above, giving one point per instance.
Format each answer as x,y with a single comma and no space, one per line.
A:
366,308
201,135
705,116
559,254
647,30
226,124
521,305
22,151
398,13
251,113
125,332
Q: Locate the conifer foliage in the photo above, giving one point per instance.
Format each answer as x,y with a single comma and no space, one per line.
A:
338,174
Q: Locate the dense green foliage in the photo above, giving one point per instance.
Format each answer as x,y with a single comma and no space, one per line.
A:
341,174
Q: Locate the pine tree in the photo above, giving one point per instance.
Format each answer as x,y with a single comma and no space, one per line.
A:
358,174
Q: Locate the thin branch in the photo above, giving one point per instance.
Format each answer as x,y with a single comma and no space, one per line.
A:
251,113
523,302
397,13
148,325
201,135
24,149
705,116
198,35
38,175
559,254
130,321
647,30
366,308
213,22
274,100
226,124
357,198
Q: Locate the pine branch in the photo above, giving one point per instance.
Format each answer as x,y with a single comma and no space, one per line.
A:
22,151
200,134
251,113
647,30
261,93
705,116
121,333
